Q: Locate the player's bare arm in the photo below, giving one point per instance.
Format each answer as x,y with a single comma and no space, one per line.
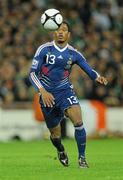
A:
47,98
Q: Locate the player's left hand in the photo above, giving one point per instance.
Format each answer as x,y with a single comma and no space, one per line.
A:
101,80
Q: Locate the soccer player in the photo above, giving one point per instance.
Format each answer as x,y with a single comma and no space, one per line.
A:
49,74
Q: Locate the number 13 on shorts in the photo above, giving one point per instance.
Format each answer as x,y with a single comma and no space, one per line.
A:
73,100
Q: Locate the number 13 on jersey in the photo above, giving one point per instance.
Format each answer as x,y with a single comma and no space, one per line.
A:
50,58
72,100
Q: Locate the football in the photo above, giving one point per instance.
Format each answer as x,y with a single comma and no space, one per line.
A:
51,19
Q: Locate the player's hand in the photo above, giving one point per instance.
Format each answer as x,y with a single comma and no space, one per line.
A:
101,80
47,98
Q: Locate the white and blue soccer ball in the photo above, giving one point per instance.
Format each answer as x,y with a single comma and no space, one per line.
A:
51,19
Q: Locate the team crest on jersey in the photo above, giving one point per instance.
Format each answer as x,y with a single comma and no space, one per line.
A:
69,64
69,61
34,64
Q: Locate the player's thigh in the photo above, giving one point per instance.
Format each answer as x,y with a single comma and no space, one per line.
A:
74,113
55,131
52,115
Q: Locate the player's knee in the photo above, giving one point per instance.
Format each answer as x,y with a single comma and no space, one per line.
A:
74,113
55,133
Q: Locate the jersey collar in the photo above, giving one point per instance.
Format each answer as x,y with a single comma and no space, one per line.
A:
58,48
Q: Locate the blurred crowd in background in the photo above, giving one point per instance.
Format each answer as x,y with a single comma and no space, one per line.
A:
96,31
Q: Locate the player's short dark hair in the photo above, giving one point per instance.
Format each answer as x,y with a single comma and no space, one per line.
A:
68,25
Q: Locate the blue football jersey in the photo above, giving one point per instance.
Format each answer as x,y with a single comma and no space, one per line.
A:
51,66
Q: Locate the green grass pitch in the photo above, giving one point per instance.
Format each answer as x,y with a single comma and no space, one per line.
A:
37,161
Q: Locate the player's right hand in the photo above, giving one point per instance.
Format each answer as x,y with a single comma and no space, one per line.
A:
47,98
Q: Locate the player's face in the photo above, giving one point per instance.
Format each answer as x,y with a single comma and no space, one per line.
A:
62,34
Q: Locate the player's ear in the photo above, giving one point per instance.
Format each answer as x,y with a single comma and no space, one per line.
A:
69,34
54,34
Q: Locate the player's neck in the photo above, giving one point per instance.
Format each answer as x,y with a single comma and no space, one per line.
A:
61,44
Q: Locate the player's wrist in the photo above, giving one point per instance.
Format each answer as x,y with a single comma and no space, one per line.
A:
42,90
